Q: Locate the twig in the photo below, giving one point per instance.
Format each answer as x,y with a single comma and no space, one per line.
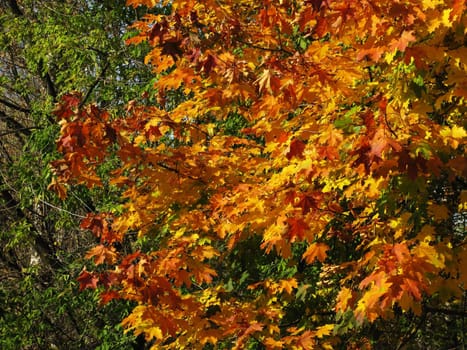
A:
166,167
14,124
23,130
409,336
61,209
452,312
272,49
94,84
14,106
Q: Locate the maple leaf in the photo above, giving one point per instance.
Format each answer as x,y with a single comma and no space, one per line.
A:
324,330
344,299
59,188
401,43
272,343
68,106
87,280
368,306
102,254
172,48
413,287
252,328
458,7
269,82
315,251
109,295
453,135
288,285
296,149
373,53
306,340
382,142
297,228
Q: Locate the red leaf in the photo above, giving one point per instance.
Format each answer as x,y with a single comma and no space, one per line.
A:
296,149
297,228
208,64
87,280
108,296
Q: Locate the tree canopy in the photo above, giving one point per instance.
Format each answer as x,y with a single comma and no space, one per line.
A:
297,178
46,49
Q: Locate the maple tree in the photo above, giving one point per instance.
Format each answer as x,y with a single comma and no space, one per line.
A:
327,137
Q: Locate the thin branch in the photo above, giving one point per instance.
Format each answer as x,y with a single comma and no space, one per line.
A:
23,130
405,340
94,84
14,106
271,49
47,79
61,209
166,167
452,312
14,124
6,153
389,126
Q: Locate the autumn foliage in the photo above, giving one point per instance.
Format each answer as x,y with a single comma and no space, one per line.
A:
329,135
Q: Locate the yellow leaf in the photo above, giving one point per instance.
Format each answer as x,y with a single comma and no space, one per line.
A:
335,184
401,224
462,201
373,187
324,330
456,132
343,298
288,285
431,4
429,253
453,136
271,343
440,21
153,332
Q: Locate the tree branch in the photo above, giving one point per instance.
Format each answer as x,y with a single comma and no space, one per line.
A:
452,312
14,106
94,84
166,167
15,125
411,333
23,130
271,49
49,84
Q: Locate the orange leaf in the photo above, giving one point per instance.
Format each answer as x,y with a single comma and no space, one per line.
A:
406,38
102,254
315,251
